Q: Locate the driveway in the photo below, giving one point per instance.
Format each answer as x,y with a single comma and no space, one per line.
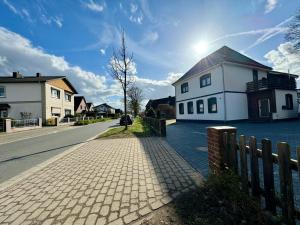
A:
22,154
190,141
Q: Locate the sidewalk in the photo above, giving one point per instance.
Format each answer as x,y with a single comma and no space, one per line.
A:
22,135
111,181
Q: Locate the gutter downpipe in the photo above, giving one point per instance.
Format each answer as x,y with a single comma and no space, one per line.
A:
225,108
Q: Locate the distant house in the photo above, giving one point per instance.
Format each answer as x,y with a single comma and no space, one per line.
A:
118,112
165,106
90,107
227,85
105,110
80,106
23,97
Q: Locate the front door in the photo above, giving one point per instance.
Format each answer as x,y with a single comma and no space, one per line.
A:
264,107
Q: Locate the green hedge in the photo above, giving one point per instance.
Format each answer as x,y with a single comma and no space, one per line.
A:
86,122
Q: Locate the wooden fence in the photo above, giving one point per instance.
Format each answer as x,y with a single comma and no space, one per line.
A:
250,177
158,126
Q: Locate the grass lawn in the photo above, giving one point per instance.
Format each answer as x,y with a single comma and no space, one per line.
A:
137,129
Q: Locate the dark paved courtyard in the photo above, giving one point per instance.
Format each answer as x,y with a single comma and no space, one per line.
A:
190,140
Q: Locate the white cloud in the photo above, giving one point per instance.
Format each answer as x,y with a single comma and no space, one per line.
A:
18,54
150,37
58,21
284,58
23,13
3,61
102,51
96,7
270,5
133,8
136,19
11,7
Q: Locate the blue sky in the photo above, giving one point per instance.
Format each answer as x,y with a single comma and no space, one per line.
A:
75,38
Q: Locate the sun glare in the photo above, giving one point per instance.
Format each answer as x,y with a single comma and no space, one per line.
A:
201,47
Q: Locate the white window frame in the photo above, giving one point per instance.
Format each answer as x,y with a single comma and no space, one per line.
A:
67,95
57,96
4,88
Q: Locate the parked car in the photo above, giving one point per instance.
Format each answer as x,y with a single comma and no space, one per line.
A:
129,120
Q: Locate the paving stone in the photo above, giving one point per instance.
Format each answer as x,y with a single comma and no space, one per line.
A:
118,180
130,217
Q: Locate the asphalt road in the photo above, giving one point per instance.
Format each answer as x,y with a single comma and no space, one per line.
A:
22,155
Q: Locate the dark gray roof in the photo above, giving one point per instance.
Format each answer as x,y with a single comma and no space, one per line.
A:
29,79
224,54
35,79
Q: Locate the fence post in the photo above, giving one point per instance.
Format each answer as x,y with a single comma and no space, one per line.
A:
68,119
254,168
162,128
216,148
233,153
298,159
286,183
8,125
268,175
40,122
56,119
244,164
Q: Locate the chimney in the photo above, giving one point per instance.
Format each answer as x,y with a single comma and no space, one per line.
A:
38,74
17,75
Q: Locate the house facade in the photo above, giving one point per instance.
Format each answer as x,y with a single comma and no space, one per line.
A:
227,86
23,97
80,105
165,106
105,110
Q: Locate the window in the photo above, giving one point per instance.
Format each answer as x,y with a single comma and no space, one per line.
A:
181,108
3,113
2,92
67,112
255,75
68,97
200,106
185,87
205,80
212,105
288,102
190,107
55,111
55,93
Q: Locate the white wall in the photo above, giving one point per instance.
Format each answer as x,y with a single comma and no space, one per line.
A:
205,116
16,108
194,85
23,97
236,106
237,77
280,101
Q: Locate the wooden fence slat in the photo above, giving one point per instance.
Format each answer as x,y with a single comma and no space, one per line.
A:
268,175
244,164
254,168
286,183
233,153
298,159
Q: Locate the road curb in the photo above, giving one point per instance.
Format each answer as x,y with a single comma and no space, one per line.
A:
27,173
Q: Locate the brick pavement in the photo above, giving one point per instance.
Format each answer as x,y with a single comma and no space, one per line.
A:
110,181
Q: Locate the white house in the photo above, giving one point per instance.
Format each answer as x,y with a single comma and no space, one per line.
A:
227,86
36,96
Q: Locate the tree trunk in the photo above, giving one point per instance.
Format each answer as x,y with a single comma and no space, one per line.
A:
125,109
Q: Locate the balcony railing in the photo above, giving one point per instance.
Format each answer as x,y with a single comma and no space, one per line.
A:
284,83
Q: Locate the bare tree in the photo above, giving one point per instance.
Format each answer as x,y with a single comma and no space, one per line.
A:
122,70
293,32
135,97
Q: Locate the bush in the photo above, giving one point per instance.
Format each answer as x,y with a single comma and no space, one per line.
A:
219,201
86,122
51,122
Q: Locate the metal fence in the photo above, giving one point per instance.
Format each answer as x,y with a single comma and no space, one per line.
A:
2,126
24,123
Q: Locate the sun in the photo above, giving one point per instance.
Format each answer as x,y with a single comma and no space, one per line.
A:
201,47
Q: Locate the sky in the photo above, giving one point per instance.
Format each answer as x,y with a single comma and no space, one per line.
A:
75,38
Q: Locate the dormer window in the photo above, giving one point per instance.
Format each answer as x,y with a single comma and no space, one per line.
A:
205,80
185,87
